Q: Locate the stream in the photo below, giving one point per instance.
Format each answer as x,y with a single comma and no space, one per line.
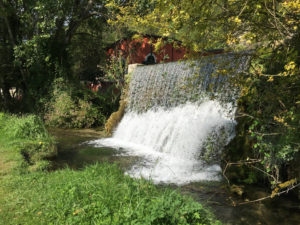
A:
74,152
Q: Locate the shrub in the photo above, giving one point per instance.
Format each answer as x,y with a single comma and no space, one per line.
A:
71,109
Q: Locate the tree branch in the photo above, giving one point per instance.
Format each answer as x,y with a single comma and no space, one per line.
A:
270,196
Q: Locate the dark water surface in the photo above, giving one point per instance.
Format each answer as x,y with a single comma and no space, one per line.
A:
75,153
279,211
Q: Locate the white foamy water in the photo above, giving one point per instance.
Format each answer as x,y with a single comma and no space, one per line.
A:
174,137
171,141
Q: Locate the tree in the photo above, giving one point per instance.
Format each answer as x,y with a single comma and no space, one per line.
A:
270,95
36,38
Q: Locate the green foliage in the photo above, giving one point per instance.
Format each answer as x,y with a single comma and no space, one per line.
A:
115,70
68,109
87,50
26,136
99,194
34,59
269,90
40,40
251,178
270,95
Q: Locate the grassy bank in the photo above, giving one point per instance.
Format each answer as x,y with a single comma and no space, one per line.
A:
99,194
25,144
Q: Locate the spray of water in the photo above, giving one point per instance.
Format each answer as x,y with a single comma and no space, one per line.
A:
172,123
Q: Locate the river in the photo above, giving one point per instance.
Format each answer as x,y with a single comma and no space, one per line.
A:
75,152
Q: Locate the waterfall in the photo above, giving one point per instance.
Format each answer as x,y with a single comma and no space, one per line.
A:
179,117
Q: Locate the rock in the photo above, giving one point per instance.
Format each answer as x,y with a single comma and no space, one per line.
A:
239,190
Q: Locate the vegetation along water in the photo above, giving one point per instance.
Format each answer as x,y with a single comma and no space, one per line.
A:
98,194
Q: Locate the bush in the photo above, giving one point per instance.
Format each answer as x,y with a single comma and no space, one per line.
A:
68,109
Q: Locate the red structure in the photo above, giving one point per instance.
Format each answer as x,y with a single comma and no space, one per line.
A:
142,51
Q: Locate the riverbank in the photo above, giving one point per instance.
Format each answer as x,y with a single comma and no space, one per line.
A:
75,152
96,194
99,194
25,144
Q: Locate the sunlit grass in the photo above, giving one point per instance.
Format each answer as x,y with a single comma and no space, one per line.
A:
25,144
99,194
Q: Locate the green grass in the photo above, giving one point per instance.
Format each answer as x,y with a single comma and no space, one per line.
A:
25,144
99,194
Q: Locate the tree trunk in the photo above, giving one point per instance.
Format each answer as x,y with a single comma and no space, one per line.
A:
7,99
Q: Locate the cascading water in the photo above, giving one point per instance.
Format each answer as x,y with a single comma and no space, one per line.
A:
172,121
